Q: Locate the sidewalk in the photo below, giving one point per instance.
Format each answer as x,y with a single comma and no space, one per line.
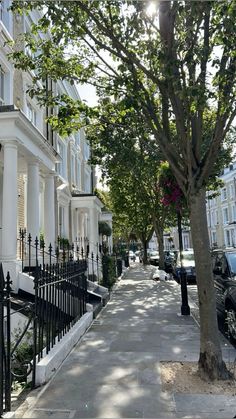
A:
114,372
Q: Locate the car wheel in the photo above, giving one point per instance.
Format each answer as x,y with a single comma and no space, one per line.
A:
231,323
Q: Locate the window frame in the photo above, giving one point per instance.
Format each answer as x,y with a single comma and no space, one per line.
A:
2,86
224,194
31,113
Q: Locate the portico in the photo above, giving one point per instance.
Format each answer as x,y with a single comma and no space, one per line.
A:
25,155
86,210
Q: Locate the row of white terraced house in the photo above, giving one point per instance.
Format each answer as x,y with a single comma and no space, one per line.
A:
45,182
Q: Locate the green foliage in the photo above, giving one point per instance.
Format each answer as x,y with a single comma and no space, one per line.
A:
108,271
22,355
174,72
171,69
104,198
104,228
63,242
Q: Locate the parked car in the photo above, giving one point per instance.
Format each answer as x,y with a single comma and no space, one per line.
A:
153,258
169,260
188,262
132,255
224,272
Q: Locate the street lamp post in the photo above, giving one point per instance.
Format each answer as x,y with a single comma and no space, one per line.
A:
185,310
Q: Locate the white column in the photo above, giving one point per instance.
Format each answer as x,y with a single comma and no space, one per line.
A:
74,217
33,200
81,229
49,212
9,202
93,229
66,221
86,222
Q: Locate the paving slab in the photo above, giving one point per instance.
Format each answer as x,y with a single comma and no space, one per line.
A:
114,371
205,405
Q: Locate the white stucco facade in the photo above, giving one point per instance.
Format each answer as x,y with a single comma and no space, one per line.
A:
221,211
45,181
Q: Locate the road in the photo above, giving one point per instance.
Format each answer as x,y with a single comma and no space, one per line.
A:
192,293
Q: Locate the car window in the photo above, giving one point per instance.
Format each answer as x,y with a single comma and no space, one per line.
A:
188,256
221,264
154,253
231,258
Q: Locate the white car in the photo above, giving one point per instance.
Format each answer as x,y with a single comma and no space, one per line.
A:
132,255
188,263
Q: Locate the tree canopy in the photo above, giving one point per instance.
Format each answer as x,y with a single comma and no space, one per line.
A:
173,67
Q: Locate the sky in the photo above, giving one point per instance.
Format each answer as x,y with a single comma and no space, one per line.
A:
88,93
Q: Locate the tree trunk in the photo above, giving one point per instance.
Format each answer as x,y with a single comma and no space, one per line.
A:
211,365
145,243
159,234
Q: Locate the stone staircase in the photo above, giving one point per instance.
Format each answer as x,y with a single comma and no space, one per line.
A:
98,296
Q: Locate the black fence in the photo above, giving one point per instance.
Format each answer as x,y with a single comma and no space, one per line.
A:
60,300
5,343
33,252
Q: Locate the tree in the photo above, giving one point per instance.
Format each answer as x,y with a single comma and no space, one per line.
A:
123,149
131,213
176,64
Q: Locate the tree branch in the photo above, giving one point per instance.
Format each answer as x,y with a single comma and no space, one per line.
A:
128,57
100,57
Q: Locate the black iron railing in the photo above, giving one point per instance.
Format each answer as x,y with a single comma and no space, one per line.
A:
5,342
60,300
33,252
60,284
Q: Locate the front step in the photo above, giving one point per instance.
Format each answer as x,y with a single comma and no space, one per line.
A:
96,301
98,290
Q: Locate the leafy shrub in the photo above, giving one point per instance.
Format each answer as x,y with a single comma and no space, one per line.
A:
104,228
108,271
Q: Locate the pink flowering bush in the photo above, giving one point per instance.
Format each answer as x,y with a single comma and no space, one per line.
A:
171,192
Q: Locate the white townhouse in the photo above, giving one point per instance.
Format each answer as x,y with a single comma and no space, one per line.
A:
221,211
46,183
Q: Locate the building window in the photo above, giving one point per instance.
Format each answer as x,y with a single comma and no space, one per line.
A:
2,92
31,113
86,151
213,237
4,13
227,238
231,190
212,218
73,180
61,167
232,237
1,9
78,174
77,138
208,219
87,184
233,212
223,194
225,215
